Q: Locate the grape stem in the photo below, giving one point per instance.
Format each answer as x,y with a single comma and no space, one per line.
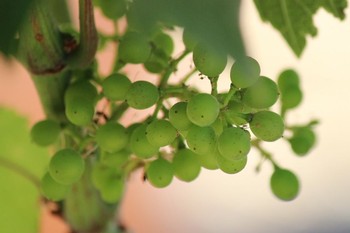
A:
265,154
188,76
229,95
171,68
83,56
214,85
20,171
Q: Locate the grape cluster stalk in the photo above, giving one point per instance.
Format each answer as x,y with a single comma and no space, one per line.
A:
189,130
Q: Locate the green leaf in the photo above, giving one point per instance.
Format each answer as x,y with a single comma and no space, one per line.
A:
294,18
214,22
12,12
21,166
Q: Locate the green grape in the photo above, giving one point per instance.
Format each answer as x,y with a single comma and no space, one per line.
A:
236,113
209,62
231,166
45,133
302,141
113,9
267,125
160,173
140,145
245,72
142,95
129,130
66,166
79,99
186,165
81,90
102,173
178,116
52,190
134,48
111,137
160,133
291,97
263,94
164,43
203,109
155,63
115,86
108,181
112,191
234,143
115,159
189,40
284,184
288,78
80,111
208,160
201,140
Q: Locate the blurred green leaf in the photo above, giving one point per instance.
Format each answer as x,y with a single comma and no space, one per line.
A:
214,22
12,12
294,18
21,167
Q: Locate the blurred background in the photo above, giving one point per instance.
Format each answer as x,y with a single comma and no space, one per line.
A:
243,203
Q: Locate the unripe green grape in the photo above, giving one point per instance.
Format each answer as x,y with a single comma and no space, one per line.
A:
186,165
80,111
102,173
234,143
288,78
231,166
203,109
140,145
129,130
178,116
209,62
160,133
245,72
111,137
201,140
81,90
134,48
291,97
115,159
112,191
160,173
189,40
267,125
53,190
262,94
108,181
284,184
115,86
66,166
45,133
113,9
155,64
208,160
142,95
302,141
164,42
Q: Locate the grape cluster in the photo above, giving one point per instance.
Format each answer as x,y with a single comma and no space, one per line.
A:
188,129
